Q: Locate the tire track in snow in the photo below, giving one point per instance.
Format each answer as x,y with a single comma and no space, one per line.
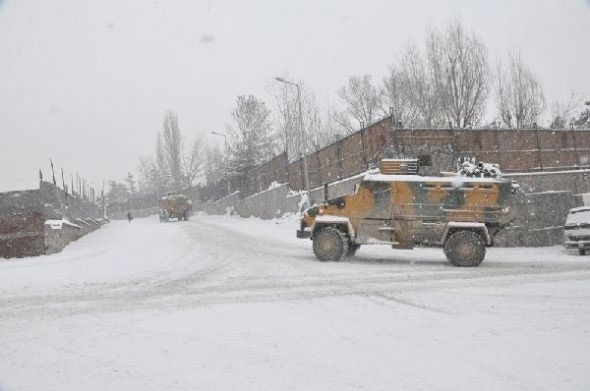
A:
232,266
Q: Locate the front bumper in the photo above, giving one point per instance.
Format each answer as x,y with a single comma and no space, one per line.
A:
581,244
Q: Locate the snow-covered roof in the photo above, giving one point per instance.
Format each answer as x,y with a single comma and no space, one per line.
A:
419,178
580,209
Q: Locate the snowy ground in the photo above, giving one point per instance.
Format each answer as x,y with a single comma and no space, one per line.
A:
222,303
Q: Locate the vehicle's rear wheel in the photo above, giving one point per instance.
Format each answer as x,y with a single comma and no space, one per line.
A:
330,244
465,249
581,251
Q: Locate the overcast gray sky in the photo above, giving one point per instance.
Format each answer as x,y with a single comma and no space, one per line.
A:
87,82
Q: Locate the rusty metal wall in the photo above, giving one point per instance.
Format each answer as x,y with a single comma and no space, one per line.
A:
516,150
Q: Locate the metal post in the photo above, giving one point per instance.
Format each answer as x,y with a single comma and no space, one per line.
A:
339,161
575,144
287,168
317,153
362,131
301,170
538,145
394,141
304,145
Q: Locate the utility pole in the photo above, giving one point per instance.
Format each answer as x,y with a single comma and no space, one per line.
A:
303,138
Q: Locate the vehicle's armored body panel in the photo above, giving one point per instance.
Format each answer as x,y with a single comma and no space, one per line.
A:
406,210
176,206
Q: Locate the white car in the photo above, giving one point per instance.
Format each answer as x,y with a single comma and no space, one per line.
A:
577,229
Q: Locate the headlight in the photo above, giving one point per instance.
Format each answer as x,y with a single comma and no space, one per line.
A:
312,212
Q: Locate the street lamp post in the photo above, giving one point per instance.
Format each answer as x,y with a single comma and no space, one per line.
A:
303,140
226,150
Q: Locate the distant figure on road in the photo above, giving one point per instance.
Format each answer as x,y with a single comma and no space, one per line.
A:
129,216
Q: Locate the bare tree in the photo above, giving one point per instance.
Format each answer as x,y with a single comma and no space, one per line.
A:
148,176
421,88
563,112
362,102
172,167
582,120
315,128
288,132
193,162
396,94
130,183
458,64
342,122
249,137
153,171
214,165
172,148
519,94
447,82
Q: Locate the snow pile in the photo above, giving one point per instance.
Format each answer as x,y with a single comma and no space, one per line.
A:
480,170
58,224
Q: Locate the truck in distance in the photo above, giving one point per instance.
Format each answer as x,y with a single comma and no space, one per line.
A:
175,206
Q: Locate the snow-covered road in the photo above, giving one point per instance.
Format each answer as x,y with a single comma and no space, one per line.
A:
223,303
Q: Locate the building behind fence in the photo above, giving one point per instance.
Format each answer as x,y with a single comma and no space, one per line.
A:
516,150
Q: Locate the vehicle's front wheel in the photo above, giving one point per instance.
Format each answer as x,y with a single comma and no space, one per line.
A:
330,244
465,249
581,251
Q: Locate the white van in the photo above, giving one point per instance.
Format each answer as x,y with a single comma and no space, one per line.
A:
577,229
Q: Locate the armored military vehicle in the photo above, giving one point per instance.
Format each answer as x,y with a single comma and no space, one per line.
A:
397,207
175,206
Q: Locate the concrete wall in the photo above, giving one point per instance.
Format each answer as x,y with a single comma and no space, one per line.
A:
541,214
540,219
57,238
222,206
276,201
575,181
23,214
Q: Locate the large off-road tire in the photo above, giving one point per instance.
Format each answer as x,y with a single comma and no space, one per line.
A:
465,249
330,244
581,251
352,249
